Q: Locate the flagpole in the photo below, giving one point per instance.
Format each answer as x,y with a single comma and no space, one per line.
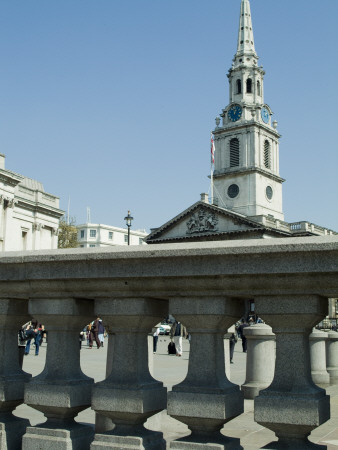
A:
212,161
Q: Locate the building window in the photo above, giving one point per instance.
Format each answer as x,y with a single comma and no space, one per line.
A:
239,86
126,238
249,86
82,234
234,152
92,245
267,155
258,88
140,241
92,233
110,235
81,245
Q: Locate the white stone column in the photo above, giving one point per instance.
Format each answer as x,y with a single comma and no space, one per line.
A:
292,406
62,390
332,356
319,373
130,395
13,314
206,399
261,357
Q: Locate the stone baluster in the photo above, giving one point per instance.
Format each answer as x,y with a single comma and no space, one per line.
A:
318,357
130,395
206,399
62,390
332,356
292,406
261,357
13,314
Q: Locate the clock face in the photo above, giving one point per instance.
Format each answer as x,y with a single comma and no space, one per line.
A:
265,115
235,113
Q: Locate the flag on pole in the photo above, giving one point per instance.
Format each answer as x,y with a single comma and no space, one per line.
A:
212,150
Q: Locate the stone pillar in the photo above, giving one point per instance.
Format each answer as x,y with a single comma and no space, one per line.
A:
292,406
318,357
130,395
13,314
62,390
332,356
261,357
206,399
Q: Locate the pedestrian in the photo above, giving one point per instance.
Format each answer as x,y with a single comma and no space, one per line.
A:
37,339
178,330
95,332
155,339
30,332
100,332
243,325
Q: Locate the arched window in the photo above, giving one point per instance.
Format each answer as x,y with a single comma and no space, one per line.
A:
258,88
238,86
234,152
267,155
249,86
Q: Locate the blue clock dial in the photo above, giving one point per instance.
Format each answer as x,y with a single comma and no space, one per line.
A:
235,113
265,115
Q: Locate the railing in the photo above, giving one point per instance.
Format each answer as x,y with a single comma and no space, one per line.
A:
205,285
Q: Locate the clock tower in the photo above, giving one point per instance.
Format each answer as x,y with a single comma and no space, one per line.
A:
246,172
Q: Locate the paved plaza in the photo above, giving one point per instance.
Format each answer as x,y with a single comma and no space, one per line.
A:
171,370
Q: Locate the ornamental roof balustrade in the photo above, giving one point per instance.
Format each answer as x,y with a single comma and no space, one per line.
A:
204,285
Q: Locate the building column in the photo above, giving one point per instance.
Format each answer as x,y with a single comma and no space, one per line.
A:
292,406
13,314
62,390
261,357
206,399
129,395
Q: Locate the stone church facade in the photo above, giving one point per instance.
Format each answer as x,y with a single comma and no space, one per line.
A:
246,200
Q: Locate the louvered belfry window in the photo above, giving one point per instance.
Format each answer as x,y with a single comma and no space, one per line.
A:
234,152
267,156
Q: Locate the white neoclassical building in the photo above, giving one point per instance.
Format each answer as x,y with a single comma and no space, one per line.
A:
29,217
99,235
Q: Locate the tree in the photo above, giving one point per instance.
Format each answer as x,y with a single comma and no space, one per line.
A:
67,233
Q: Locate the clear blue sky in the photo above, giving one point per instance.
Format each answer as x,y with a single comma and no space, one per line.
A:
111,102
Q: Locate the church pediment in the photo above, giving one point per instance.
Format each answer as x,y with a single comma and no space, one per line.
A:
201,220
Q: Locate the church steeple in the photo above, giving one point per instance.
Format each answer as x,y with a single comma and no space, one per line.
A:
246,171
245,42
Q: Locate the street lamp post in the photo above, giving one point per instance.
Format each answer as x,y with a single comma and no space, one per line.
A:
128,220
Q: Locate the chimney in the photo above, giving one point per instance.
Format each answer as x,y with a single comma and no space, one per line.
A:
204,198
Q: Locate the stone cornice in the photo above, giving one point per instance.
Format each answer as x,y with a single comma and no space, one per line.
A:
10,178
39,207
246,170
246,126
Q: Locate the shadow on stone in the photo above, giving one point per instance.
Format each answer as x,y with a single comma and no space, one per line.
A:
199,443
294,444
142,440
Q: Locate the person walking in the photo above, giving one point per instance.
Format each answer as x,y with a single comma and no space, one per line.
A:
95,332
178,330
155,339
31,334
100,332
243,325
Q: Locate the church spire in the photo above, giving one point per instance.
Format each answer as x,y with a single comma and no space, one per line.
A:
245,44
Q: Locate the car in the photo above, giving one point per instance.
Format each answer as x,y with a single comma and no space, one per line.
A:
164,328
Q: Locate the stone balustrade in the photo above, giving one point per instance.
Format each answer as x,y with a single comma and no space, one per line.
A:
205,285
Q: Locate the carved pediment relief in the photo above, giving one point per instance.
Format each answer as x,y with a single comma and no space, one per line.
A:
202,220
